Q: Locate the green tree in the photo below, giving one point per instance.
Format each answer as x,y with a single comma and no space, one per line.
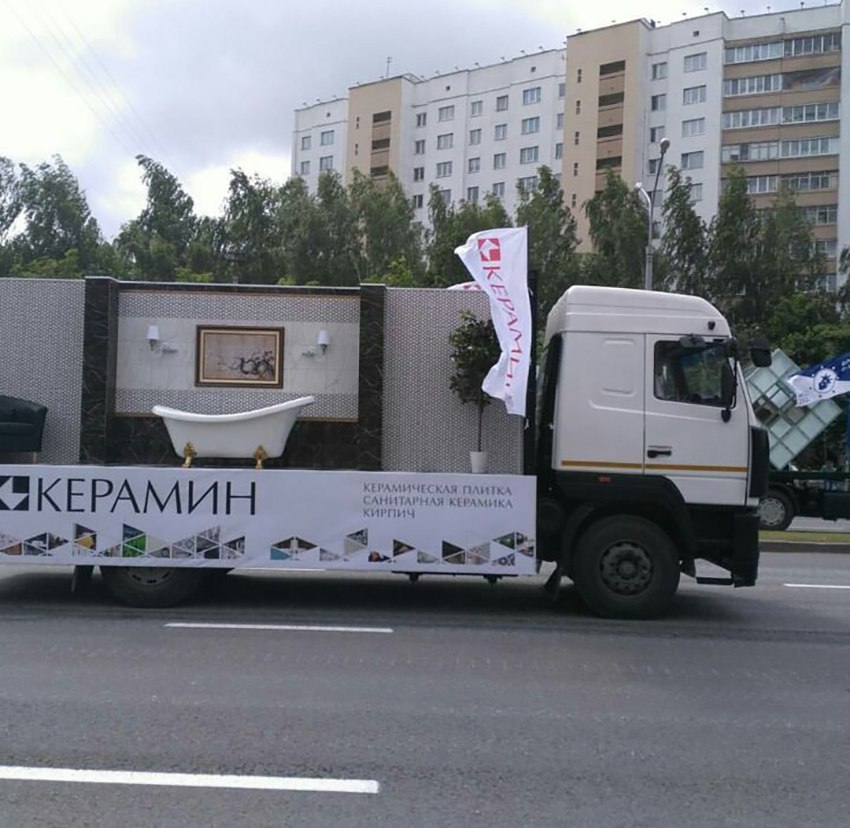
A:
618,231
551,239
57,221
684,244
450,227
390,237
157,242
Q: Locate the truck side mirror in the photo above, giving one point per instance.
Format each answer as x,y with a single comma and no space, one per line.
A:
760,352
727,391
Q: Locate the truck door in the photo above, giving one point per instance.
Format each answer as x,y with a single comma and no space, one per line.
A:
686,439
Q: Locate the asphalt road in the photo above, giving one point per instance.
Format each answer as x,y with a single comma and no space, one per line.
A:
448,702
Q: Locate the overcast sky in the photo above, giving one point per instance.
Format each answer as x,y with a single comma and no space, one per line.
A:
204,86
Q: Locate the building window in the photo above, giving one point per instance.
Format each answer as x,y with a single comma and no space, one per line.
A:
305,142
419,173
658,103
500,160
531,96
652,167
499,189
612,68
305,168
817,45
326,162
446,113
326,138
419,147
578,107
696,192
476,108
421,119
696,63
659,70
474,136
695,126
693,95
755,52
501,103
614,99
757,85
744,118
821,214
610,131
418,201
444,169
577,137
446,195
472,195
445,141
573,201
575,169
380,144
529,155
380,117
474,165
559,151
692,160
500,132
530,125
559,121
526,185
656,133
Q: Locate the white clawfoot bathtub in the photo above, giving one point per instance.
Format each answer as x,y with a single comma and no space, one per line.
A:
259,433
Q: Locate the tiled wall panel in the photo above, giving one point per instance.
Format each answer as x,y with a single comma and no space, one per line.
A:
426,427
42,335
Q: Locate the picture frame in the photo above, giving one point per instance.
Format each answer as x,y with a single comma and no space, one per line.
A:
233,356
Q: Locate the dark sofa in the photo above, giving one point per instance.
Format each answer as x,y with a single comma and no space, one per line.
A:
21,424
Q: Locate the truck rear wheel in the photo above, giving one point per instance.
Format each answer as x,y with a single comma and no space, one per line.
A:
776,511
626,567
152,586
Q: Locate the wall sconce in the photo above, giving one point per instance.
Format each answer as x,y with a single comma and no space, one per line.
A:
323,340
156,344
153,336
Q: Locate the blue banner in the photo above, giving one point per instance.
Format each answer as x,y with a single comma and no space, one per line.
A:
822,381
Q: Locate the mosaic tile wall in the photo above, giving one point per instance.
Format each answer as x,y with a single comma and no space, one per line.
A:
165,376
425,426
43,355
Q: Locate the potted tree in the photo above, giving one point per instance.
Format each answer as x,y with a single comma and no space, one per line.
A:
475,350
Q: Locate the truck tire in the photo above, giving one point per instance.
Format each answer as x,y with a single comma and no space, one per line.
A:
152,586
776,511
626,567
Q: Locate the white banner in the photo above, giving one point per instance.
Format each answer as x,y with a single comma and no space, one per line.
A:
498,261
822,381
272,518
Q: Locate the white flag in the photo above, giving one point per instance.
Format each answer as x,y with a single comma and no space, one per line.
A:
498,261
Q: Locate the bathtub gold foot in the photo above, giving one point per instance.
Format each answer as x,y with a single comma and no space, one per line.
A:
259,456
188,454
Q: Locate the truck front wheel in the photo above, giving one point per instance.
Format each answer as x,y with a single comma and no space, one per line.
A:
152,586
626,567
776,511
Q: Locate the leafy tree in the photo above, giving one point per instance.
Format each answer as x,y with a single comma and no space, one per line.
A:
475,350
551,239
389,235
248,232
684,244
450,227
57,220
157,242
618,231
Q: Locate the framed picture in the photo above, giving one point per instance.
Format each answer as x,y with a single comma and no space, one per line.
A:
234,356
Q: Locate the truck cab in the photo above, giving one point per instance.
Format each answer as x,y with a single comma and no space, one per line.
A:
650,456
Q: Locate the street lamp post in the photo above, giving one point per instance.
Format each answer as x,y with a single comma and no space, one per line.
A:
650,206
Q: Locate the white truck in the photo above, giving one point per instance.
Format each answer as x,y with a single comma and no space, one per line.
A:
648,458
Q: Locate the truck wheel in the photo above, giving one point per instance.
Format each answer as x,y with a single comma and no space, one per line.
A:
776,511
152,586
626,567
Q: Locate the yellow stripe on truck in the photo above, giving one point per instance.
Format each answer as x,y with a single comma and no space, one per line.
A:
605,464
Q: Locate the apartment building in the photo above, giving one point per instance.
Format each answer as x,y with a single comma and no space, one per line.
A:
470,132
763,93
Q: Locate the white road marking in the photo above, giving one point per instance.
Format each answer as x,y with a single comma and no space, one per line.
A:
285,627
818,586
190,780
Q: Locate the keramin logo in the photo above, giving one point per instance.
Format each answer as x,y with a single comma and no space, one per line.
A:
14,493
490,250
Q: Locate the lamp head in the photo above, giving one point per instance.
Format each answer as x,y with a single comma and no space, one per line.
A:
664,145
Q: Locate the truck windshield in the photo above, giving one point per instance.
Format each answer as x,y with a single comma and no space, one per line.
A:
689,375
